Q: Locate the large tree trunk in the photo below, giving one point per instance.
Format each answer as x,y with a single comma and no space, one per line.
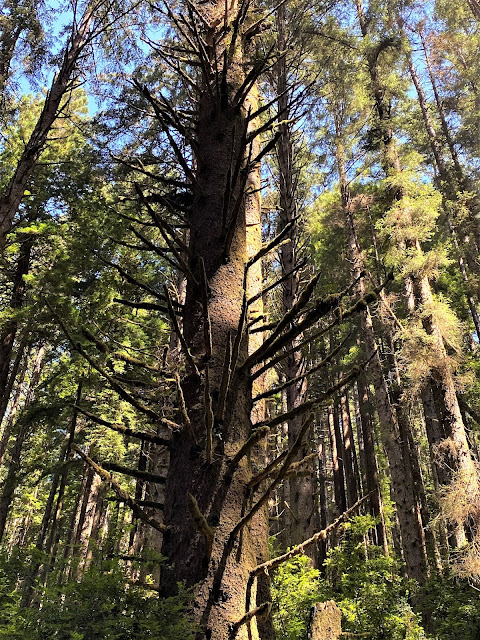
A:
206,495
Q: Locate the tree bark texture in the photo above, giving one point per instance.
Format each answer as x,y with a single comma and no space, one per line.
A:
205,494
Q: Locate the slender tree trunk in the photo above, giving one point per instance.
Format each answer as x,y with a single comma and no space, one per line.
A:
24,428
461,179
448,189
349,461
373,485
14,407
9,370
323,499
63,80
337,460
299,518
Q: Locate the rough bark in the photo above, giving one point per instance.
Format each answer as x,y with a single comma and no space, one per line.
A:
325,622
372,480
14,404
205,497
350,461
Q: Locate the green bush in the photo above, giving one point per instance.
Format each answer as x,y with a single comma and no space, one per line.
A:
364,583
101,606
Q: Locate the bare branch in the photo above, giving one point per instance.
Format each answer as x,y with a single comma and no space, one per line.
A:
201,523
180,335
123,495
207,327
273,564
261,610
319,365
134,473
126,431
208,418
289,458
272,244
225,381
183,408
257,435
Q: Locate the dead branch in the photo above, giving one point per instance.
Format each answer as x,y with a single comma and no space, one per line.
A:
261,610
319,365
125,497
126,431
301,466
129,278
272,244
289,458
201,523
158,250
320,309
241,325
312,404
149,306
276,283
151,504
273,564
256,480
267,148
121,355
161,224
208,418
251,78
468,409
207,327
284,354
257,435
180,335
101,346
225,381
183,408
289,316
134,473
236,207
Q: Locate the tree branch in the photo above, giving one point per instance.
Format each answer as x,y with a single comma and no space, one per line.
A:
273,564
123,495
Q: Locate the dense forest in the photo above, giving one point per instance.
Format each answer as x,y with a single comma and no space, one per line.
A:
239,319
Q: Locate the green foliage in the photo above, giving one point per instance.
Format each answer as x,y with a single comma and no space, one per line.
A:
102,606
450,609
365,584
296,588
